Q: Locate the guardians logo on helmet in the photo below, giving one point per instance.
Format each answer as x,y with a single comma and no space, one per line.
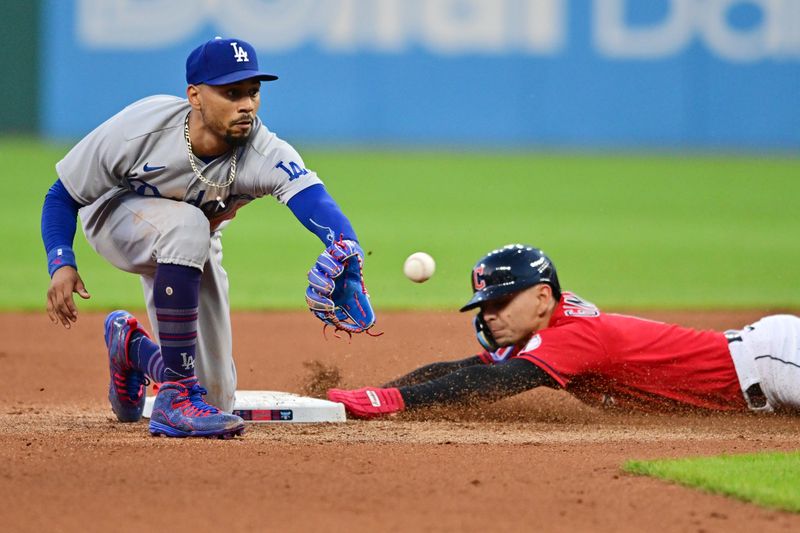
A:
504,272
508,270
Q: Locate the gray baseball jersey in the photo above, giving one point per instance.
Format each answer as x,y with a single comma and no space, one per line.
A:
143,149
134,176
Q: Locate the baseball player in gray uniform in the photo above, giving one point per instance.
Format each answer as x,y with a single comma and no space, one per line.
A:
154,186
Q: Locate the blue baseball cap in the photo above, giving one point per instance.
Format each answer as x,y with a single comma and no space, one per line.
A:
222,61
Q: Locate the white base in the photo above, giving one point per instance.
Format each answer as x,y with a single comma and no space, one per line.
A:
273,406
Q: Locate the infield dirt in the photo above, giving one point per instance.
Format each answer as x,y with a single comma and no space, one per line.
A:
538,462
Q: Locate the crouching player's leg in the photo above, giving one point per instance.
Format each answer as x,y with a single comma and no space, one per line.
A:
179,409
168,242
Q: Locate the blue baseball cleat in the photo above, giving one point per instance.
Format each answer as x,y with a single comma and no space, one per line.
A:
181,411
128,386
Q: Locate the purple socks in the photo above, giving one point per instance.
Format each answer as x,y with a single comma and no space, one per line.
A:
146,356
176,295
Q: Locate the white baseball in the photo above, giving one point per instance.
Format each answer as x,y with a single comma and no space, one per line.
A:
419,267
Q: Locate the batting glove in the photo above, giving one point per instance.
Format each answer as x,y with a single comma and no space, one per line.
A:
369,402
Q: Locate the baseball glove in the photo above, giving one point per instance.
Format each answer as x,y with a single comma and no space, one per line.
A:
336,293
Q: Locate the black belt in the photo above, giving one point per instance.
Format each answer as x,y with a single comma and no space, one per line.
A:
733,335
755,396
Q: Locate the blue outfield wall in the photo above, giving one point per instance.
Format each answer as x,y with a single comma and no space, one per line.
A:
599,74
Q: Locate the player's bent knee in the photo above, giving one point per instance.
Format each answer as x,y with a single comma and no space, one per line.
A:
187,240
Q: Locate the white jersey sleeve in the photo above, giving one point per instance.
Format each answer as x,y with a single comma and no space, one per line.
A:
119,150
94,165
281,172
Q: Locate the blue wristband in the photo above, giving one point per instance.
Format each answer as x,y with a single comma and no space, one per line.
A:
60,256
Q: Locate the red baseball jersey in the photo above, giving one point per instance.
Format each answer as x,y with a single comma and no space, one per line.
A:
625,361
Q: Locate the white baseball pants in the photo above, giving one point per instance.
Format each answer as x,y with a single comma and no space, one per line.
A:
767,360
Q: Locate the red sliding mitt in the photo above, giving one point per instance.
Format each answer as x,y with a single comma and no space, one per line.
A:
369,402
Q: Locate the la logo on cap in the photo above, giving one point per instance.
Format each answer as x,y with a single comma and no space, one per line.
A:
239,53
223,61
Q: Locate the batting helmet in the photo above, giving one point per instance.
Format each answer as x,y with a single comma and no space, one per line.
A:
510,269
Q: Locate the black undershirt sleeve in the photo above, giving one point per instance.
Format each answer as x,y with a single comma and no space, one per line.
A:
477,383
432,371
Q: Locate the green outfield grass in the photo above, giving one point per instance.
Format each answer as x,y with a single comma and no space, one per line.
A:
639,231
769,479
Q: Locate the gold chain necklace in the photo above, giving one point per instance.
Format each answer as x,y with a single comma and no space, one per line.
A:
231,173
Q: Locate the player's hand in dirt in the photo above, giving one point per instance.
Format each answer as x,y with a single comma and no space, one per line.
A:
369,402
60,304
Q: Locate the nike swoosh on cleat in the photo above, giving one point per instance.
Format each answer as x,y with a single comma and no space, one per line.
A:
148,168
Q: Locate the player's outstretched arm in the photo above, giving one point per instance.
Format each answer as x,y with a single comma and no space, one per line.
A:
472,384
432,371
336,292
477,384
59,214
321,215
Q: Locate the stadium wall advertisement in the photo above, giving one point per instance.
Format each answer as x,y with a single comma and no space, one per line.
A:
716,74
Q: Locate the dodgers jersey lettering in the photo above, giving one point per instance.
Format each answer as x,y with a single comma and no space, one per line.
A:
625,361
142,149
